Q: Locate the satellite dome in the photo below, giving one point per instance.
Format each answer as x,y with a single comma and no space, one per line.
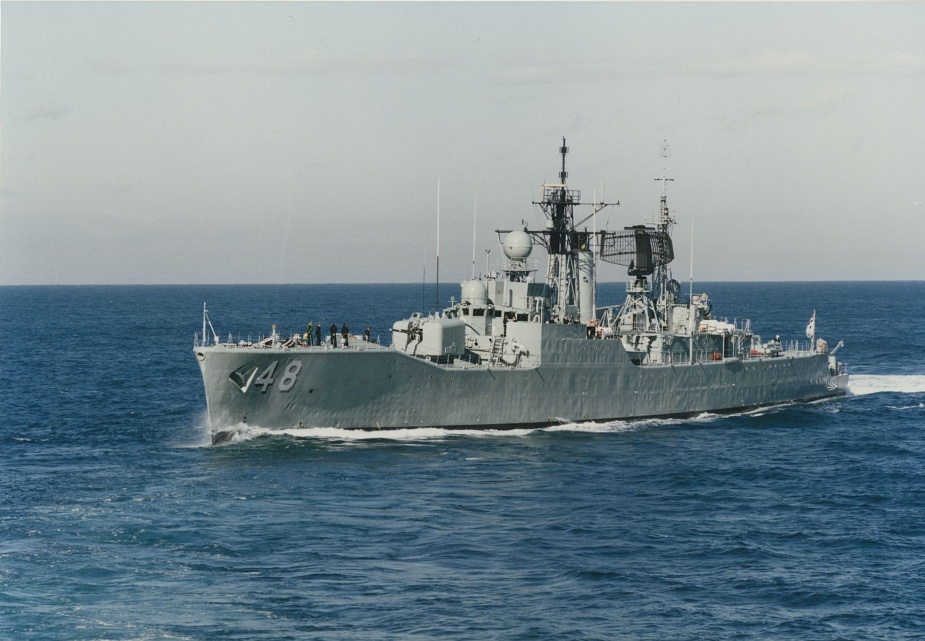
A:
474,292
517,245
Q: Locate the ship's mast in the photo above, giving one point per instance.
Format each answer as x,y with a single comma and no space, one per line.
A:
570,268
662,275
562,243
646,250
437,294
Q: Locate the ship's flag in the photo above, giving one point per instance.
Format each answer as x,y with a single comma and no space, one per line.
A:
811,328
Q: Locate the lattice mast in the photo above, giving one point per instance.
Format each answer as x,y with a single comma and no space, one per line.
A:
570,252
646,251
563,243
666,288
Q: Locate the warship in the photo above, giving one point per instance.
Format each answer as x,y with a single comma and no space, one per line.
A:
521,351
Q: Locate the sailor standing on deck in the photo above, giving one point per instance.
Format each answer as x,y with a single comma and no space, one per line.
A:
333,334
318,334
308,334
345,333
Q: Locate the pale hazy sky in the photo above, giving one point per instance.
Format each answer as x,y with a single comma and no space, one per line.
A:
303,142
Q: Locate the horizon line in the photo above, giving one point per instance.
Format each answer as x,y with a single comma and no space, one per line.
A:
431,283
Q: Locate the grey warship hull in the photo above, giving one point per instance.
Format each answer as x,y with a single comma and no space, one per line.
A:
370,387
515,351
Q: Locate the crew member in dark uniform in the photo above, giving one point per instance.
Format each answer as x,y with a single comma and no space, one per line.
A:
318,334
366,334
345,333
333,334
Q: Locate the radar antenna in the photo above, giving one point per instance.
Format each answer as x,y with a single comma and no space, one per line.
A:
645,250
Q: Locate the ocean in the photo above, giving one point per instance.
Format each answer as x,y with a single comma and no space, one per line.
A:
120,521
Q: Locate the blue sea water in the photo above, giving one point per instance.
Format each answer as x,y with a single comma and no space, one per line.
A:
119,521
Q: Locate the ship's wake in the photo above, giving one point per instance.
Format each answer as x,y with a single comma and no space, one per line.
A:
862,384
630,425
243,432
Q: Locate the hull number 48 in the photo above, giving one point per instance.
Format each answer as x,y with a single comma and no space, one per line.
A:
287,379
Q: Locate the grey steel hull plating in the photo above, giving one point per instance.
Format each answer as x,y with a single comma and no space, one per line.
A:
369,387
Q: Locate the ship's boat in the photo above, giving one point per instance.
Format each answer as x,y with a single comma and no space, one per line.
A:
518,351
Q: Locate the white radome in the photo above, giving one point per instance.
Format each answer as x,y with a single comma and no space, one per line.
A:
517,245
474,292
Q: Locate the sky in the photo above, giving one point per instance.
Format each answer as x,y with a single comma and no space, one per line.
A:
304,142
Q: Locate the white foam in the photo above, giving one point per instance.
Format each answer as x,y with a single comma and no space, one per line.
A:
407,434
242,432
628,425
862,384
917,406
203,436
